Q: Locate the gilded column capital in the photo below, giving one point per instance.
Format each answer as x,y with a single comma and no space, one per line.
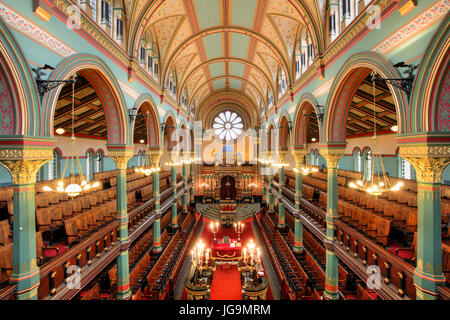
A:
429,161
24,163
121,157
282,155
332,155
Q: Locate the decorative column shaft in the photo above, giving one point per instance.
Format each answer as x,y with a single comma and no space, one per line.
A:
429,163
155,156
185,184
298,240
121,158
23,164
332,156
281,181
174,224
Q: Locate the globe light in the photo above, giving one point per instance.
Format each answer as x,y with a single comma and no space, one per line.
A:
73,190
60,131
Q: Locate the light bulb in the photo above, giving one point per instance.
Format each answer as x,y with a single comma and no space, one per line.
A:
353,185
47,188
394,128
60,131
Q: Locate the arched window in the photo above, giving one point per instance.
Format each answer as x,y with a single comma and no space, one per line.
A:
357,166
228,125
93,4
54,166
368,165
99,161
298,56
89,165
270,101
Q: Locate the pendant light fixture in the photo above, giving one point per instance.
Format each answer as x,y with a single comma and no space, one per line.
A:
73,189
375,184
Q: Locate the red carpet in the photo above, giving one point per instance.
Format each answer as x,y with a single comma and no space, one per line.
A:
226,283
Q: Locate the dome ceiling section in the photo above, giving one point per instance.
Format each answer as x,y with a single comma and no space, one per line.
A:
252,39
236,67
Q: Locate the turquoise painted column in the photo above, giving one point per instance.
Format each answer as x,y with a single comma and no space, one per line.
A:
121,158
185,183
429,166
298,227
155,155
174,224
332,156
281,182
25,271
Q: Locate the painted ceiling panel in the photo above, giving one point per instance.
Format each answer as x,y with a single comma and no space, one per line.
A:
217,69
239,45
243,12
208,13
183,33
219,84
165,30
287,28
213,45
237,69
235,84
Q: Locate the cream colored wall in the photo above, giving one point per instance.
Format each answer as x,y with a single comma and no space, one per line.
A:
387,144
84,144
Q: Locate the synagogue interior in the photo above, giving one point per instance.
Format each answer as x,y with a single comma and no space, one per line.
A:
224,150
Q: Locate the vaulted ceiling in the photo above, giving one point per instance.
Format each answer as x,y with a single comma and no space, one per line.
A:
211,45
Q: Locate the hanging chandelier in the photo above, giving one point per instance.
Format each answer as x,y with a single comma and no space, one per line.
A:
73,189
375,184
305,168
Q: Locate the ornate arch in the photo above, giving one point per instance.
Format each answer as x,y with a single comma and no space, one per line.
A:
170,143
304,106
147,104
344,86
430,96
20,105
106,86
283,131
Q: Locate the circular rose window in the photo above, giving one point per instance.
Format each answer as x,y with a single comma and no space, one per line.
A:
228,125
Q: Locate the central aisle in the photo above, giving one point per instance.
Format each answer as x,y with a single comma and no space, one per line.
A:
226,284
